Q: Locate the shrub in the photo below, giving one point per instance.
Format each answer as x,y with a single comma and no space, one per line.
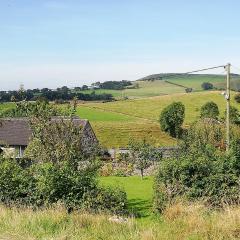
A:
199,173
237,97
207,86
234,115
171,119
188,90
102,199
16,184
210,110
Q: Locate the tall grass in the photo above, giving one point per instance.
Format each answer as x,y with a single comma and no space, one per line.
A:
180,221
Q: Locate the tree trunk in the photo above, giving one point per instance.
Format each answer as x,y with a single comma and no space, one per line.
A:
141,173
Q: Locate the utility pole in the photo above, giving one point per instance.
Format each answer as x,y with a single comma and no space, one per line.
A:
227,96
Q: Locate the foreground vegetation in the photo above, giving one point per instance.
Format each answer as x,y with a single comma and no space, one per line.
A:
180,221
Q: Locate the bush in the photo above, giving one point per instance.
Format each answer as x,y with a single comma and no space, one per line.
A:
102,199
171,119
207,86
16,184
47,184
237,97
234,115
199,172
210,110
188,90
214,180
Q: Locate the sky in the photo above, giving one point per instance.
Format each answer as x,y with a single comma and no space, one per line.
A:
51,43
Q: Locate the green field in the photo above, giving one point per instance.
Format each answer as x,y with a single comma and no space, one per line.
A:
143,117
146,89
6,106
196,82
139,192
162,87
115,123
98,115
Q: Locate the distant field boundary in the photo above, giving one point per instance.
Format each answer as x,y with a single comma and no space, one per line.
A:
179,85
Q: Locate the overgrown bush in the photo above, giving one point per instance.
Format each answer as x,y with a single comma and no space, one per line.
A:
200,171
207,86
45,184
234,115
210,110
102,199
171,119
16,183
237,97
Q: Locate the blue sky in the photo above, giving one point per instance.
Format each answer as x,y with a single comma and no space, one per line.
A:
50,43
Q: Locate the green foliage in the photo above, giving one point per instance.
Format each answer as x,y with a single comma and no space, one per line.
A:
46,184
207,86
143,155
237,97
60,170
172,117
210,110
16,183
116,85
65,184
234,115
38,108
200,170
113,200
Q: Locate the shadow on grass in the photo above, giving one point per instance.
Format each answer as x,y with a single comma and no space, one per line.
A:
139,207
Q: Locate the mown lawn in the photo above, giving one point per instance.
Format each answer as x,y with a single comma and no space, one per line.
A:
139,192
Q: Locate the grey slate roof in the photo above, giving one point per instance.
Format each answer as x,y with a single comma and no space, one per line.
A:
16,131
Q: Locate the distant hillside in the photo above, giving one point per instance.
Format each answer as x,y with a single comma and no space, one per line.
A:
194,81
167,76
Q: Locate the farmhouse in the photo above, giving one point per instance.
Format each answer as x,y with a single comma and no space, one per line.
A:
15,134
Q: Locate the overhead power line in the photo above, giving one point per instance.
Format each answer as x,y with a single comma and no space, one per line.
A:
194,71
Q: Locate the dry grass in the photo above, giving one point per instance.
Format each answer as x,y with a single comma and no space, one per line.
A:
180,221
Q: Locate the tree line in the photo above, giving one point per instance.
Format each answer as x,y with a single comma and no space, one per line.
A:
63,93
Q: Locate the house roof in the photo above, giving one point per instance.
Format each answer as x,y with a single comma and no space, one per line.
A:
17,131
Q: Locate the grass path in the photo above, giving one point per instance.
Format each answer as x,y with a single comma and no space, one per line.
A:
139,192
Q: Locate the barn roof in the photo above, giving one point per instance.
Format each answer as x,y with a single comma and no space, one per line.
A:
17,131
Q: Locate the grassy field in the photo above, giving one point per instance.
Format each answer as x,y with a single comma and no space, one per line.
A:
146,89
160,87
139,192
142,116
6,106
181,221
115,123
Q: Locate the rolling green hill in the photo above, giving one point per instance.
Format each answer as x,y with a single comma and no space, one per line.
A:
141,117
115,123
170,83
